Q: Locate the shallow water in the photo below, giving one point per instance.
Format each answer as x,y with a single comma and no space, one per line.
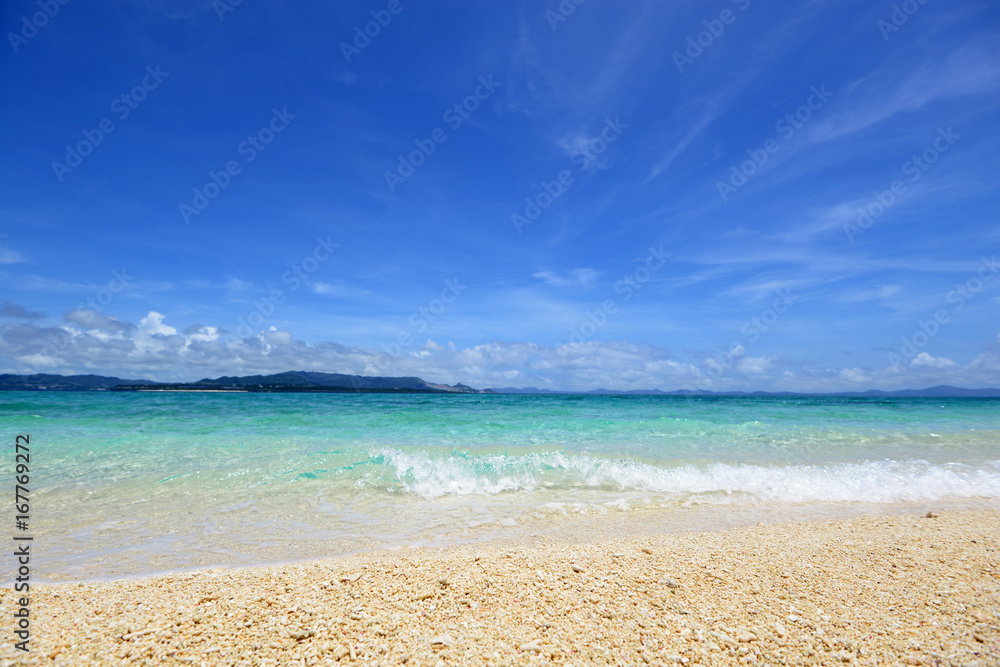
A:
139,482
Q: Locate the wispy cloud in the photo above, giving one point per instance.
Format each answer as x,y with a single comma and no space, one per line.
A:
238,285
709,110
9,256
33,283
882,292
754,290
340,289
971,70
571,278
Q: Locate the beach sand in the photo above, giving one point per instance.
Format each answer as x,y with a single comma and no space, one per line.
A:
872,590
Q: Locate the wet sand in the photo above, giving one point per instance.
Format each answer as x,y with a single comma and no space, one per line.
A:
872,590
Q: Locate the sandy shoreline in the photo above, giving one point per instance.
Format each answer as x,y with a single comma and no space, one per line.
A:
868,591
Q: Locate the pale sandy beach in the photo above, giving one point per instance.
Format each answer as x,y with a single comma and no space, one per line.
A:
876,590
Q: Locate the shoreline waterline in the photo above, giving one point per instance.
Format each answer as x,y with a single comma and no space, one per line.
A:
112,565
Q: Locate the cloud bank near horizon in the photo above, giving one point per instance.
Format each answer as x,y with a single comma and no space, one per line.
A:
90,342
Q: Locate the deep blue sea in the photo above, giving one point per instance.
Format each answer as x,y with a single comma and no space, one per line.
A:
140,482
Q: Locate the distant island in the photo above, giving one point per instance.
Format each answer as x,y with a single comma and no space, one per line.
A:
313,382
292,381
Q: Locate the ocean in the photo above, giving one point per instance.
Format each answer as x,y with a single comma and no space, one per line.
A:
127,484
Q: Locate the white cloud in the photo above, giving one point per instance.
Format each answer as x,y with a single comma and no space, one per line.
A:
987,362
572,278
40,361
197,333
274,337
924,359
855,376
755,365
152,325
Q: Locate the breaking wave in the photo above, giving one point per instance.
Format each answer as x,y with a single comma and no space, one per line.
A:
459,474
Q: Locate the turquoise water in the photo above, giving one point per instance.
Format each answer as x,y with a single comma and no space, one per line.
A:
147,481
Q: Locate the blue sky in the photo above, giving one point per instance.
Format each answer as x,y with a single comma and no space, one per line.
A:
622,195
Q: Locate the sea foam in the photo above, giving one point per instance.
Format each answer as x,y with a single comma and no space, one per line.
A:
434,475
